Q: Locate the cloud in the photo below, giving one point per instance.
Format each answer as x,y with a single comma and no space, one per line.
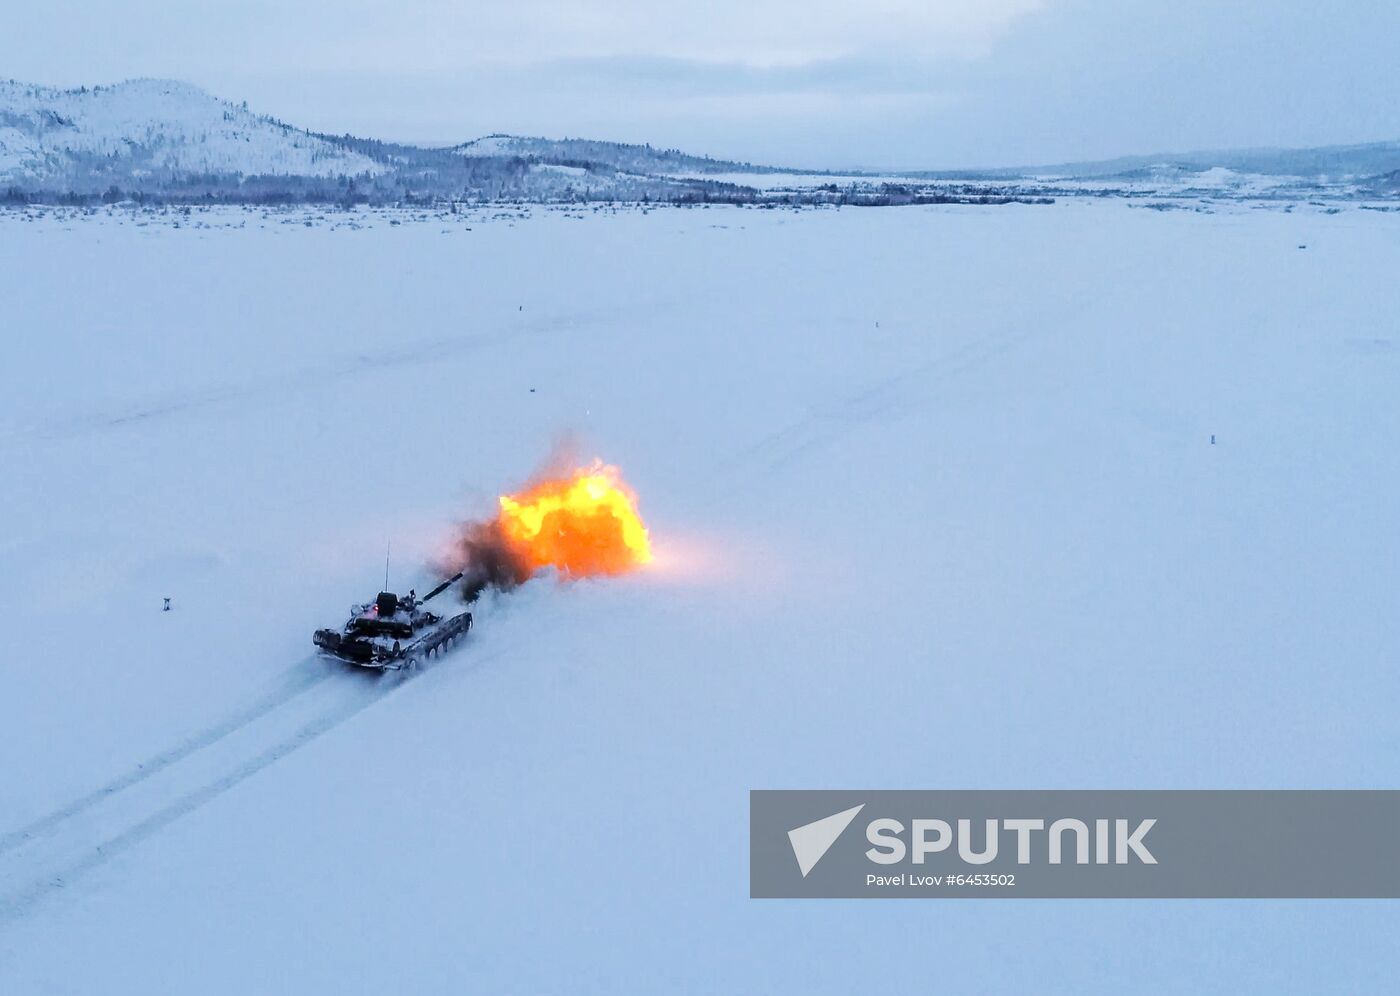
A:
856,77
436,35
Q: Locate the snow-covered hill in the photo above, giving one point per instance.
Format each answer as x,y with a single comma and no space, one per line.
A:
73,139
630,158
170,140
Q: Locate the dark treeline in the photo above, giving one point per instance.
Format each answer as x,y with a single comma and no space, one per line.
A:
251,192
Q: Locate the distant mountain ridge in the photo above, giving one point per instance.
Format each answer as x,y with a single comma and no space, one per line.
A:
1333,162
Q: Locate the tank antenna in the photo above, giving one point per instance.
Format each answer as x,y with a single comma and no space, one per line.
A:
387,547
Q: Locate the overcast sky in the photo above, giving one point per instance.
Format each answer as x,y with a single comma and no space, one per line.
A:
895,83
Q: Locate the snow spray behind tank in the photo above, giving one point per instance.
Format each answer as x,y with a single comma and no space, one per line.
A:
581,521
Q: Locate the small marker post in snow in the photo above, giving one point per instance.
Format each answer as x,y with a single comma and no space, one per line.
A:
1212,439
167,605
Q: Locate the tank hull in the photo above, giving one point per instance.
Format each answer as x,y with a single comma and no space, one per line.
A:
380,653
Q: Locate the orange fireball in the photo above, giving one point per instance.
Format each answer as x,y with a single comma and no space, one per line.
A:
582,525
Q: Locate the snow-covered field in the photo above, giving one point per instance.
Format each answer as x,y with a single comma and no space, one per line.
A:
934,501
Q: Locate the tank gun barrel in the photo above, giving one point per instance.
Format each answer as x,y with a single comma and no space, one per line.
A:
444,586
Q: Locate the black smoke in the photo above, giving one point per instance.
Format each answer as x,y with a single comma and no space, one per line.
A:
485,559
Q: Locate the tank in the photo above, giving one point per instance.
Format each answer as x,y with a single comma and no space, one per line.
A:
394,632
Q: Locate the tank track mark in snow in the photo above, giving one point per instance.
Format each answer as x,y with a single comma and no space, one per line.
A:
302,681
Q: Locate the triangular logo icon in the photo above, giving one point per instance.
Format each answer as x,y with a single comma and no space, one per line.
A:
812,841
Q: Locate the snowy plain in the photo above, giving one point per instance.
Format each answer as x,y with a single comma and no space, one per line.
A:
934,502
